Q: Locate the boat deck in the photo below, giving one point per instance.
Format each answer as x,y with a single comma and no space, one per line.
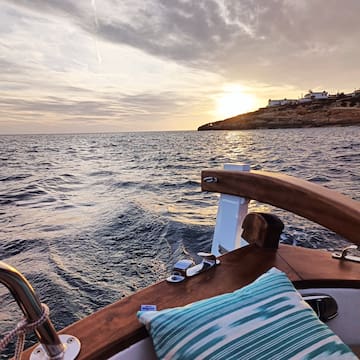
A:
116,327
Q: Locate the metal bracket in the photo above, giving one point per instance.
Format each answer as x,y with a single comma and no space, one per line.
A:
71,349
179,270
210,179
183,269
324,305
344,254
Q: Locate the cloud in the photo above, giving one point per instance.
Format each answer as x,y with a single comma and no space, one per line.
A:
8,67
132,59
110,106
280,40
120,110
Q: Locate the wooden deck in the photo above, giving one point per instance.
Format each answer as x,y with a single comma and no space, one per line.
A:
115,327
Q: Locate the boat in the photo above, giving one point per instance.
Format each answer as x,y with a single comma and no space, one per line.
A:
246,252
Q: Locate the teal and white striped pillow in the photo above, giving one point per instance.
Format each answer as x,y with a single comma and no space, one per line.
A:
265,320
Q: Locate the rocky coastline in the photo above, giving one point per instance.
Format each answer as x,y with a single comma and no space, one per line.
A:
339,111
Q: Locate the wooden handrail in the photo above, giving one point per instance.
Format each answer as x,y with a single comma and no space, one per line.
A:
311,201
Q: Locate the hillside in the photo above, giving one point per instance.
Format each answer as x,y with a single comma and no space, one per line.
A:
337,111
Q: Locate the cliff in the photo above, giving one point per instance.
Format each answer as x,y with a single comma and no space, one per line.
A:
336,111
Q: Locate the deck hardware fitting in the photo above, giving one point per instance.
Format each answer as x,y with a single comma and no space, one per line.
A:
210,179
344,254
183,269
33,310
71,349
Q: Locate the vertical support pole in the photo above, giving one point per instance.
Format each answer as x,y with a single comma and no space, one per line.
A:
30,305
231,213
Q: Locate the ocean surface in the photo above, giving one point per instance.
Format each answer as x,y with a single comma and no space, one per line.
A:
91,218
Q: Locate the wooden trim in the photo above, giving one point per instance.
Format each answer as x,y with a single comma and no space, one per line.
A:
317,268
321,205
116,327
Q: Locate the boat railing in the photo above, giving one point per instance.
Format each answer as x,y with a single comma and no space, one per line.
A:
35,315
321,205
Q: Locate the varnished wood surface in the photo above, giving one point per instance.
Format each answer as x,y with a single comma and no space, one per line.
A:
262,229
318,268
321,205
116,327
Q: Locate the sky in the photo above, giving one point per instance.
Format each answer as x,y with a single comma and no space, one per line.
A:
70,66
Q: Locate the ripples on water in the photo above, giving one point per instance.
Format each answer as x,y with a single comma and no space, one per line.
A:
91,218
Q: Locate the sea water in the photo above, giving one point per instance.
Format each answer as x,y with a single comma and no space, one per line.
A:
91,218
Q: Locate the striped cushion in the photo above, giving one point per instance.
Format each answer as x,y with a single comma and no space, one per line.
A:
265,320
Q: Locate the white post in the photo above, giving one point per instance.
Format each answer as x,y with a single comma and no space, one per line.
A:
231,213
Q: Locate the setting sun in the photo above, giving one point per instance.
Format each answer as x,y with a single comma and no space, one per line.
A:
234,101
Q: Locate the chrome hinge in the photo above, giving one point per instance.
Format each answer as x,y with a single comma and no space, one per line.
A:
344,254
185,268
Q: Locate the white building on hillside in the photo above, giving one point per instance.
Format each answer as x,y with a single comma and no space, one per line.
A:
312,95
281,102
